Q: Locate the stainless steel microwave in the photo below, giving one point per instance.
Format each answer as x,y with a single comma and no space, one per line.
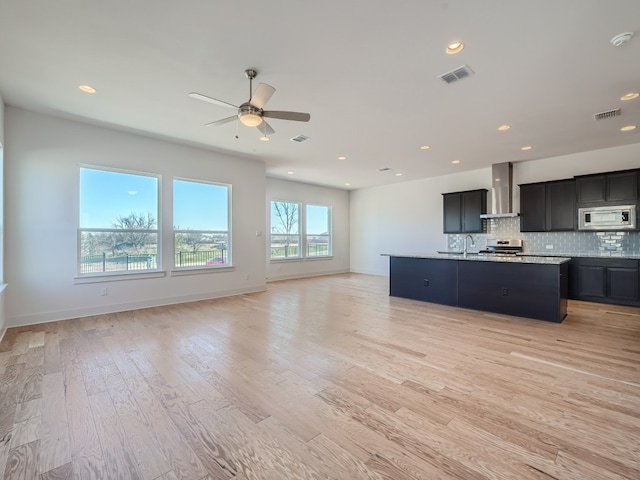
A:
618,217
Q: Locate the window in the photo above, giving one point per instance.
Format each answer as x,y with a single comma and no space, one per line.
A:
285,232
318,233
118,226
201,224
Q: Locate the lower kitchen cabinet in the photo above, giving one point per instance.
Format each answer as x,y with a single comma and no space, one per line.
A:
530,290
426,279
606,280
526,290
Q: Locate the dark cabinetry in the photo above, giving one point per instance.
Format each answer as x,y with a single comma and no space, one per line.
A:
548,206
613,188
429,280
462,210
608,280
527,290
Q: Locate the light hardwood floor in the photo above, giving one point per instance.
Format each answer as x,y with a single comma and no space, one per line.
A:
323,378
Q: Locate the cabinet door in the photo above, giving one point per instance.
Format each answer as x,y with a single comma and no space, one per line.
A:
561,206
622,187
623,283
452,214
591,281
429,280
473,205
532,208
591,189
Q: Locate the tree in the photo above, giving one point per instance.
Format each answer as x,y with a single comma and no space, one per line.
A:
286,215
137,235
190,240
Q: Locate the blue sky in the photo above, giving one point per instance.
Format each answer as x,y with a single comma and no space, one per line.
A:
106,195
316,218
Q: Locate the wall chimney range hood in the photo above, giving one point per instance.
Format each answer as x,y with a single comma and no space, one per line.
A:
501,194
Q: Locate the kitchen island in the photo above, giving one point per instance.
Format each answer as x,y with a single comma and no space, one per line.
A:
525,286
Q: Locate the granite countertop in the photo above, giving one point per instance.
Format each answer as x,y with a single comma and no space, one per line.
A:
632,256
540,260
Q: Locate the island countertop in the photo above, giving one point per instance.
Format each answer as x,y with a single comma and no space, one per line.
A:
484,258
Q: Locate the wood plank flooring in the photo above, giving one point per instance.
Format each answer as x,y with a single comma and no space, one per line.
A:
323,378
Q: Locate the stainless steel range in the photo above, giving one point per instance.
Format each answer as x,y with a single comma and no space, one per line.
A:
503,247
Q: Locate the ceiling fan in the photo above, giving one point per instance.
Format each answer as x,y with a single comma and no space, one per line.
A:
251,112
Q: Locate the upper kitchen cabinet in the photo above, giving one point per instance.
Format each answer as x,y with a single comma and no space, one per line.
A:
462,210
608,188
548,206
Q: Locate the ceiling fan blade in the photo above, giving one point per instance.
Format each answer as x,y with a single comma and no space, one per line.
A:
215,101
222,122
262,95
296,116
265,128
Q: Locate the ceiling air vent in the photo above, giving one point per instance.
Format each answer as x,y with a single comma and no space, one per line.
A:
609,114
384,169
457,74
300,138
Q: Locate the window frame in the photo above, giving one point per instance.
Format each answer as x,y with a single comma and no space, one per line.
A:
299,235
228,232
116,274
329,234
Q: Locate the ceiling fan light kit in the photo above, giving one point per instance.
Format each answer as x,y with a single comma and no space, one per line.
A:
251,113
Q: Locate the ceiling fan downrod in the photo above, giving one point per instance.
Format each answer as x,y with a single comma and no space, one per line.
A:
250,74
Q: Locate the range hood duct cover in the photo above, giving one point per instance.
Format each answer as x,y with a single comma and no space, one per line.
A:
501,191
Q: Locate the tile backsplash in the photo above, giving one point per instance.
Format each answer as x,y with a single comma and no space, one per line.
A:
575,243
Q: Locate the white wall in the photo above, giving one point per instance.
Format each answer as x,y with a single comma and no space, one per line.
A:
338,200
3,321
41,173
407,217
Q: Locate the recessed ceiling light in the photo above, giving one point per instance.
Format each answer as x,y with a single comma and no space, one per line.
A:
526,147
264,138
455,161
87,88
630,96
289,173
628,128
342,157
425,147
454,47
347,184
502,128
398,174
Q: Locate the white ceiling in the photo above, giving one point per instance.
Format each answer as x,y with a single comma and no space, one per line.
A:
366,71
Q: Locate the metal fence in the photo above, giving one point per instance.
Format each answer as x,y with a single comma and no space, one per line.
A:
123,262
204,257
148,261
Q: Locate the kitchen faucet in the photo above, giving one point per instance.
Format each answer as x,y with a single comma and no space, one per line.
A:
473,244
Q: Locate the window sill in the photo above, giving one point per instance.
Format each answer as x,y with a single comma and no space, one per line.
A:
201,270
117,277
299,259
286,260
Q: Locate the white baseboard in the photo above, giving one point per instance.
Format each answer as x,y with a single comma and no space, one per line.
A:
275,278
45,317
4,330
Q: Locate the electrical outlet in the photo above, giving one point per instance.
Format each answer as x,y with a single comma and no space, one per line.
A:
104,292
549,247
